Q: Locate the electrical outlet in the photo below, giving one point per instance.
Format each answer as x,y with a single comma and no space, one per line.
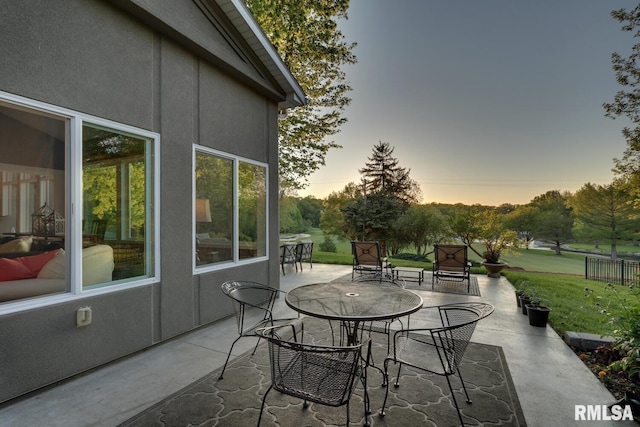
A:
84,316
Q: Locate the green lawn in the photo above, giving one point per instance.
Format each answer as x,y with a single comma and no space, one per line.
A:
531,260
558,278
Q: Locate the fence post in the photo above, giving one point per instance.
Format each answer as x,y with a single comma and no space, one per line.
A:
586,267
621,272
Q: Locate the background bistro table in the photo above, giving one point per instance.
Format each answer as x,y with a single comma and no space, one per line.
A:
353,303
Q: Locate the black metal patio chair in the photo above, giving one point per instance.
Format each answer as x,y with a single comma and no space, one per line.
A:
304,251
451,263
439,349
315,373
253,305
367,258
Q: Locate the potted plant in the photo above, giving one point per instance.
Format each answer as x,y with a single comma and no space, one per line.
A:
522,290
538,311
496,239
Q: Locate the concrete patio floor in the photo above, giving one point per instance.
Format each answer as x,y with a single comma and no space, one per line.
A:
549,378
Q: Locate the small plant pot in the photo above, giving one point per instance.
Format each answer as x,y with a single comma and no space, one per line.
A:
538,315
518,294
524,300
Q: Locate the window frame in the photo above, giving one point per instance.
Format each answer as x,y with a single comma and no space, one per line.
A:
236,261
73,204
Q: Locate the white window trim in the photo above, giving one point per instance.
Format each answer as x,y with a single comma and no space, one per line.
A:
73,219
235,232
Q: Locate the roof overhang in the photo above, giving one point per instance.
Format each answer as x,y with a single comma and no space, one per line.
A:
243,20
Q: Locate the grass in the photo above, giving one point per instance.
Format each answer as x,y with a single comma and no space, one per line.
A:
573,308
558,278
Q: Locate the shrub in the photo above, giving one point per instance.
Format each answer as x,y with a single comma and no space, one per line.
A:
412,257
327,245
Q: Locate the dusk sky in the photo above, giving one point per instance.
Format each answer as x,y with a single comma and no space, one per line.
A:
490,102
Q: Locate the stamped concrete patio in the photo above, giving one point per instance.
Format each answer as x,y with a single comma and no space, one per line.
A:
549,378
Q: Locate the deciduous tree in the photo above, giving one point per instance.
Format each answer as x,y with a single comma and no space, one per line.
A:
626,101
555,222
606,212
305,33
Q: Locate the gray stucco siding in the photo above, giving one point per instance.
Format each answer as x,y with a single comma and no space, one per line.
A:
95,58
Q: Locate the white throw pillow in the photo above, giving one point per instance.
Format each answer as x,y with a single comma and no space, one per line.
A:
23,244
56,268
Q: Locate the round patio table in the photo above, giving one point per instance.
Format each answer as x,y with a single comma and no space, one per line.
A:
353,303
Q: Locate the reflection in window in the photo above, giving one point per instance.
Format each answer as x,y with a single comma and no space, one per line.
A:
117,198
32,180
214,209
252,210
228,229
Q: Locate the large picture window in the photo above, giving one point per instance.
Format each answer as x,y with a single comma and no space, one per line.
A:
230,209
108,240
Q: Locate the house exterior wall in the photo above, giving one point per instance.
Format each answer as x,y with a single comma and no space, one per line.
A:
96,58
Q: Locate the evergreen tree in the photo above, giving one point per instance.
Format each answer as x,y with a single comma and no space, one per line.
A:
382,174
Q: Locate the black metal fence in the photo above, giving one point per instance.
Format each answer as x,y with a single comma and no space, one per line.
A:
614,271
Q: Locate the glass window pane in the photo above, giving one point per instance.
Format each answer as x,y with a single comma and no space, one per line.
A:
252,210
33,201
117,201
213,209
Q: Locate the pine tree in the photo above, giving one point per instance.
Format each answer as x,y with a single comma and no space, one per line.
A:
382,174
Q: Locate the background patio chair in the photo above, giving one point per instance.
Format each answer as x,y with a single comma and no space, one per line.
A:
367,259
437,349
253,306
288,256
304,251
315,373
451,262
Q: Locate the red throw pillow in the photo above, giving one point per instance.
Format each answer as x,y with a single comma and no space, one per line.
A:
12,269
36,262
26,267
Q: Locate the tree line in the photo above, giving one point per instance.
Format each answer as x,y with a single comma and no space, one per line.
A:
384,206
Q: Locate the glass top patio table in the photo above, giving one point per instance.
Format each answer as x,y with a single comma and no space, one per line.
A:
353,302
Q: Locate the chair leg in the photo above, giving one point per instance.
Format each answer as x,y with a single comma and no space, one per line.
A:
256,347
264,399
464,387
385,383
228,356
455,402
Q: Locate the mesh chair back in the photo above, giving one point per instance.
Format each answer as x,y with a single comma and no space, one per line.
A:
252,304
459,321
320,374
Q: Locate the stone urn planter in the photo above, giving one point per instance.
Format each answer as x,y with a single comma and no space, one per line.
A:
494,268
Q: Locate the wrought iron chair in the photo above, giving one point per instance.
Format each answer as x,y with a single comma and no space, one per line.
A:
367,258
288,256
304,250
253,306
451,262
315,373
439,349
